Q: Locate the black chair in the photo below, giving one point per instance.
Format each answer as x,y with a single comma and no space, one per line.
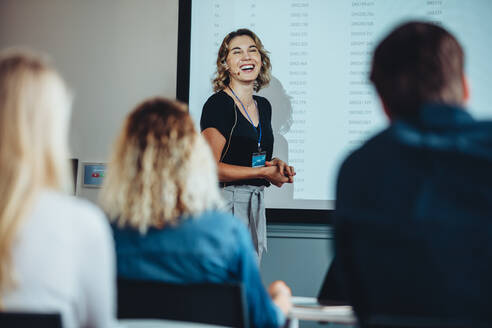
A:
417,273
218,304
38,320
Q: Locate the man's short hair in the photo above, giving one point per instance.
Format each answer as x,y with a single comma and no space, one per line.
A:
415,64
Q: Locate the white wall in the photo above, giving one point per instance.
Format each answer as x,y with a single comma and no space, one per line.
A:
113,54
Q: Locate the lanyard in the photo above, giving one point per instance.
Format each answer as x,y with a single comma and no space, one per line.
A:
249,118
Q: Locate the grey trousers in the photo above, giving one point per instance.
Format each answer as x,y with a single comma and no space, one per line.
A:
248,204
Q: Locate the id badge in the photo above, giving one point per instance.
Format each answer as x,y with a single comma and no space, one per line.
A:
258,159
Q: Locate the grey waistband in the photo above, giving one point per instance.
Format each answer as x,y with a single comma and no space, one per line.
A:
248,203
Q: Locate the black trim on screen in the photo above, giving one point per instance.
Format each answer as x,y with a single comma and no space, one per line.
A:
184,48
183,93
276,215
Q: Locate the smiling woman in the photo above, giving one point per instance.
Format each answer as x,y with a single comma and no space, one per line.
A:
237,126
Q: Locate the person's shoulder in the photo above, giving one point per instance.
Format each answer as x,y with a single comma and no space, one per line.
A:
380,139
64,202
263,105
479,129
80,214
262,101
214,111
217,99
219,224
370,151
227,230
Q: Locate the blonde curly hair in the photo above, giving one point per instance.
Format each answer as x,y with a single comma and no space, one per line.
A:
161,169
222,79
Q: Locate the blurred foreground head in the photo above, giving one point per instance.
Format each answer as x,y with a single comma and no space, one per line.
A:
34,115
415,64
161,170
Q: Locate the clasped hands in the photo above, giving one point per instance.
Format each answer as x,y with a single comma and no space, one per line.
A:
278,172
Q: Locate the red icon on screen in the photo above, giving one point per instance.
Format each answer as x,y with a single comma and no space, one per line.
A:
95,175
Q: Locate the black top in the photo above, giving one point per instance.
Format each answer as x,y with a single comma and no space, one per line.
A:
220,112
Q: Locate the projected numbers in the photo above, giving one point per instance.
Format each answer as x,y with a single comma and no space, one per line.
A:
253,14
434,11
360,99
218,17
298,85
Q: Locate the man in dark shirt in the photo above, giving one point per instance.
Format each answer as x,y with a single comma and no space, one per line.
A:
413,219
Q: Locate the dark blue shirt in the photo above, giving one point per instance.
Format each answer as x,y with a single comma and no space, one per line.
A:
214,247
416,199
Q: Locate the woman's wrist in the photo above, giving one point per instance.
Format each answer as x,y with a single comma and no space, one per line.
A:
263,172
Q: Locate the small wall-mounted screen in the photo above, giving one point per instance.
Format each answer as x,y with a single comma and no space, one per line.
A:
94,174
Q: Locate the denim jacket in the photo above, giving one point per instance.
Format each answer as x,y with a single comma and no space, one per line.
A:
213,247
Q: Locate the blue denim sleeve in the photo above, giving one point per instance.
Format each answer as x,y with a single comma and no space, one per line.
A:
262,311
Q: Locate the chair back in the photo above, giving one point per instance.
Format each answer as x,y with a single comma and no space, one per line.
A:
38,320
209,303
417,273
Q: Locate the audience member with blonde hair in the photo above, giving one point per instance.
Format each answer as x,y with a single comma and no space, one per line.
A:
162,194
56,252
